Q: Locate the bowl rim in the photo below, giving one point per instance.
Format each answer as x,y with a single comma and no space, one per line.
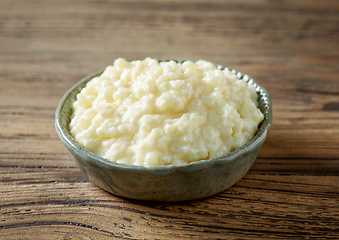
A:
259,137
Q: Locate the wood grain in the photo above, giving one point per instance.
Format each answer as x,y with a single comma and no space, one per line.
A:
289,47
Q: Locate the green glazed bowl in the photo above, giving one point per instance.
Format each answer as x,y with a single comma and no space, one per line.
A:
164,183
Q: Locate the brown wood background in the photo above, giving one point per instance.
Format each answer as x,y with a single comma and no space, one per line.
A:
289,47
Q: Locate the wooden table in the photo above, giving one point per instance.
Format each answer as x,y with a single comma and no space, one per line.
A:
289,47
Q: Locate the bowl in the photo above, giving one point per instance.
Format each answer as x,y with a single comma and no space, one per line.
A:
164,183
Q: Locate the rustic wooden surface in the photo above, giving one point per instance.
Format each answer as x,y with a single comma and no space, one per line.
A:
289,47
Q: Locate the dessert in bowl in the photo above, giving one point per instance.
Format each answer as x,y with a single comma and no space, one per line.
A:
167,130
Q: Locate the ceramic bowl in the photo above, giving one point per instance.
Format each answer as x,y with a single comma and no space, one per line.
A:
164,183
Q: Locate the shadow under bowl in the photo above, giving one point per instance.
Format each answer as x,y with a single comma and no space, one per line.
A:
164,183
